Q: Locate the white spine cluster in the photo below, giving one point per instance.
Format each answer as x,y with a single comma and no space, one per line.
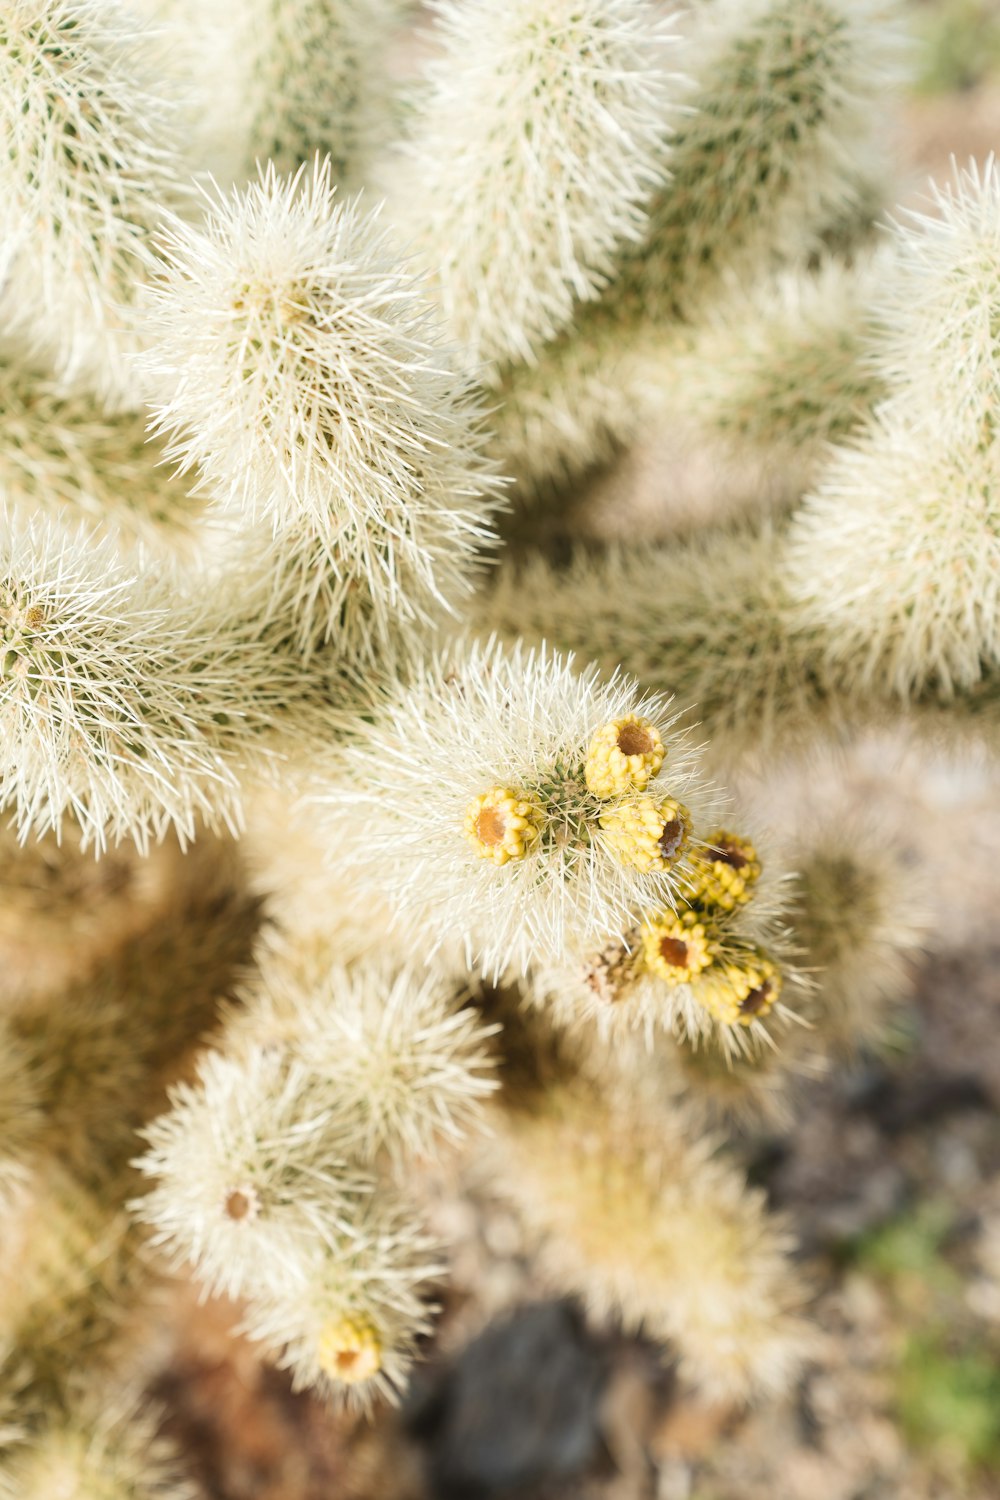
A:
86,174
131,703
539,139
274,1173
405,1065
104,1448
251,1165
916,494
657,1229
350,1327
466,804
301,376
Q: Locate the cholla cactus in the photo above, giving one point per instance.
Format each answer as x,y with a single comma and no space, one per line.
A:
89,170
303,379
66,454
404,1063
927,610
269,612
272,1174
118,705
652,1228
99,1450
567,106
780,105
250,1165
350,1326
473,796
315,80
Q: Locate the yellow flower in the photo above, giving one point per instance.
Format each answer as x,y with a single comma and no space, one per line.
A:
348,1350
676,946
647,834
501,825
724,871
739,993
624,753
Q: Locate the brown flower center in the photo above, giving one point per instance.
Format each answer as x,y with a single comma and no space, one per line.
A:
349,1362
757,999
490,827
728,854
674,952
239,1204
634,740
671,838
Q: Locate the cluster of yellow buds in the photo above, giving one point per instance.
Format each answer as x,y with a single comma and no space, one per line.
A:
348,1350
502,825
688,947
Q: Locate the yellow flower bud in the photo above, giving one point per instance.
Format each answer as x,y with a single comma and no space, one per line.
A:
501,825
739,993
624,753
676,946
724,871
647,834
348,1350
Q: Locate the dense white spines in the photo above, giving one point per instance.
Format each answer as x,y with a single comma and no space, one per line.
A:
130,702
274,1174
915,495
102,1448
251,1169
774,140
300,374
479,734
782,109
538,141
87,169
781,366
656,1228
349,1328
404,1064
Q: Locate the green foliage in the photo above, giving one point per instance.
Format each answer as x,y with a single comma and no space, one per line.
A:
910,1248
948,1399
960,45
